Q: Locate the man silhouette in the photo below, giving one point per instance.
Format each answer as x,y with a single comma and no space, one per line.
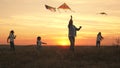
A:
72,30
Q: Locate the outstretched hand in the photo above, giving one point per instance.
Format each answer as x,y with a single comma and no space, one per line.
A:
15,37
71,16
80,27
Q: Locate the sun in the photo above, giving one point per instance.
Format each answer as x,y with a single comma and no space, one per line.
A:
63,42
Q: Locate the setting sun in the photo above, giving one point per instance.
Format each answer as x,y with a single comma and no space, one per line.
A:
64,42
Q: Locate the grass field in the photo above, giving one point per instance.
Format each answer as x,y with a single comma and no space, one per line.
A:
59,57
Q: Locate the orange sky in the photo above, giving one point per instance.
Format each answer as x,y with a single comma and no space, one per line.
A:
29,19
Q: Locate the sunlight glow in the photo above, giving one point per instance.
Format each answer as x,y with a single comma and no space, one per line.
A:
63,42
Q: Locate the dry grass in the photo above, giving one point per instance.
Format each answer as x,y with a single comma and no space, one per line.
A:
59,57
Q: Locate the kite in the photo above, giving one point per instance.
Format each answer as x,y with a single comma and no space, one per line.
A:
64,6
50,8
103,13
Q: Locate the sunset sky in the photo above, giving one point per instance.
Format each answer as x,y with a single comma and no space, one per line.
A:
30,18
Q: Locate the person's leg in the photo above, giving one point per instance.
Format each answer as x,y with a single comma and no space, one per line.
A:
73,43
12,45
98,43
70,39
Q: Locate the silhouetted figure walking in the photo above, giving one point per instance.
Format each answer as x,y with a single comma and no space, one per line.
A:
10,39
39,42
98,40
72,33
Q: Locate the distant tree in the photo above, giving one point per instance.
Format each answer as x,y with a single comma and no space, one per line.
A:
117,41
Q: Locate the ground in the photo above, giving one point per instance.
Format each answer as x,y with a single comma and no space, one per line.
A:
59,57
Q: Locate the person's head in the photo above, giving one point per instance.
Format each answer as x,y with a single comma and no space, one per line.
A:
38,38
99,33
12,31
